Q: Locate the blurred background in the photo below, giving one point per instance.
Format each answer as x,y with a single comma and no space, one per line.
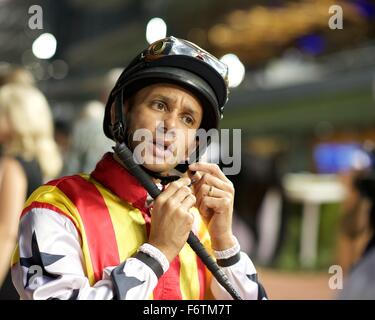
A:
302,93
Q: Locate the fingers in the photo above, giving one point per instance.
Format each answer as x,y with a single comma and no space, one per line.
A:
213,181
213,187
188,202
183,212
210,168
211,191
181,194
174,197
214,203
172,188
212,175
194,176
174,202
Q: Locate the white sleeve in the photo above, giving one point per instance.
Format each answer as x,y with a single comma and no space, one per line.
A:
50,265
242,275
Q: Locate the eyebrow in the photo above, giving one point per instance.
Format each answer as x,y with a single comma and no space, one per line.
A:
170,100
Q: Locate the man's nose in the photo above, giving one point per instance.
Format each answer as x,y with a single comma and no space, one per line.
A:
168,127
170,121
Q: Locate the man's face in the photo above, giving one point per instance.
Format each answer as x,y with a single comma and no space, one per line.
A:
164,119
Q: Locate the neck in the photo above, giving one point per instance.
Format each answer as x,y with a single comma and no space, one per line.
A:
156,181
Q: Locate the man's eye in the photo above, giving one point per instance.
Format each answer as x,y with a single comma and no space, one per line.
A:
188,120
159,105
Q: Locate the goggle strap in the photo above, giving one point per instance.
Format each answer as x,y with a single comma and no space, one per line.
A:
118,127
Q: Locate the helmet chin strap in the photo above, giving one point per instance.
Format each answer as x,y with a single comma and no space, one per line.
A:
119,131
174,175
177,172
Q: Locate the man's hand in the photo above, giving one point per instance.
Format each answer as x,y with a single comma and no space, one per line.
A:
215,195
171,220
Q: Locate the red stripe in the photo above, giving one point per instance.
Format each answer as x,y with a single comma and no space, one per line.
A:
168,287
97,222
43,205
114,177
201,277
57,181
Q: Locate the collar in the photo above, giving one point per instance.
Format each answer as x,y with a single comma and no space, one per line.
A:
117,179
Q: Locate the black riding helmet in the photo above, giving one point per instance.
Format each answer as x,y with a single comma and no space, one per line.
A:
176,61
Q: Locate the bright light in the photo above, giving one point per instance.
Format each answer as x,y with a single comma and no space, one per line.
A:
44,47
156,29
236,70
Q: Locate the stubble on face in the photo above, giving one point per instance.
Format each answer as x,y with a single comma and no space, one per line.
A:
170,124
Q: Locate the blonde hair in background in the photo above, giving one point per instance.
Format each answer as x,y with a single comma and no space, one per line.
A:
15,74
31,127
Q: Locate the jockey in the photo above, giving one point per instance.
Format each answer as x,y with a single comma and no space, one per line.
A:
101,235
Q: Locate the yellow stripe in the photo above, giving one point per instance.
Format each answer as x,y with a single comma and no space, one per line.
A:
54,196
208,295
128,222
15,255
204,237
130,231
189,280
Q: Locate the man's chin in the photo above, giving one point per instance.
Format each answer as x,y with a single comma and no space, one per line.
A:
162,169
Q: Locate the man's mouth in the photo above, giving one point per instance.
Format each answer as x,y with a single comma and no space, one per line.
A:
162,143
162,149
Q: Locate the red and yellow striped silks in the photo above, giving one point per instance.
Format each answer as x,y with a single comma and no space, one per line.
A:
108,210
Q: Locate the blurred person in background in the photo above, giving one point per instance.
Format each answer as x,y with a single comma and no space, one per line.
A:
63,137
29,157
360,283
12,180
260,205
259,218
354,228
15,74
87,142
